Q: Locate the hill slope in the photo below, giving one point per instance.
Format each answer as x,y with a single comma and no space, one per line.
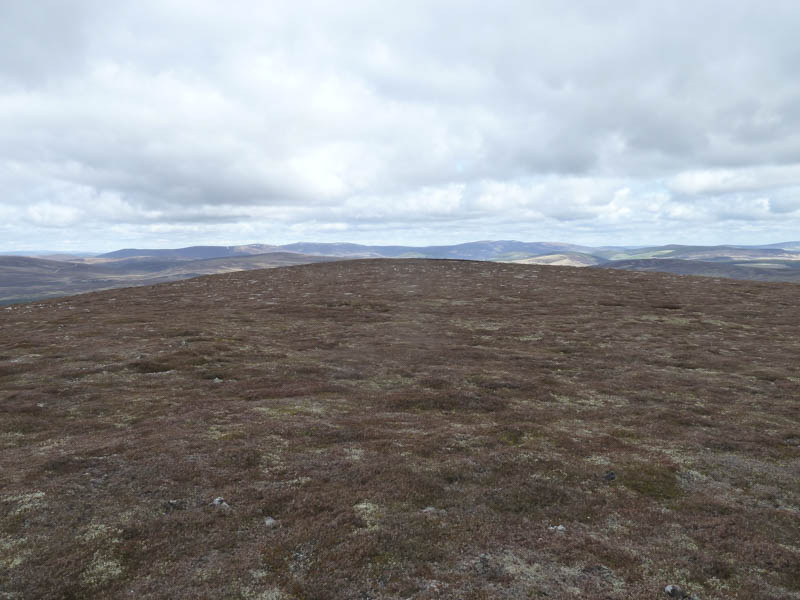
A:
192,252
483,250
23,278
775,270
395,429
776,262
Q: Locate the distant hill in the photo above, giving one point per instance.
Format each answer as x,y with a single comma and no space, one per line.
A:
48,254
788,271
564,259
25,278
58,274
192,252
705,253
494,250
483,250
783,245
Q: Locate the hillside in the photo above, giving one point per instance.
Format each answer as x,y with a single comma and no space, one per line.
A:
137,266
483,250
403,429
25,278
564,259
702,253
193,252
759,270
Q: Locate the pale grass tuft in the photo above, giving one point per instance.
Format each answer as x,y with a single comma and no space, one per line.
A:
101,570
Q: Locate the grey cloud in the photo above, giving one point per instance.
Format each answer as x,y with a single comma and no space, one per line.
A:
186,110
786,205
44,41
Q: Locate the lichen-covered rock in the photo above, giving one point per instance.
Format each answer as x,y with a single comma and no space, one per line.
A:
673,591
271,523
220,503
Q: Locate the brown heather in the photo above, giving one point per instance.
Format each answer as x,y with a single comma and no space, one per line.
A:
344,399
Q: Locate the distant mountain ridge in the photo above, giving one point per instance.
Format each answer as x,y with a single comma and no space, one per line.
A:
193,252
786,271
26,278
480,250
494,250
769,262
29,278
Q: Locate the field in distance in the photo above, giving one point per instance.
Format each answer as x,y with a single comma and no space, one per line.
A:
403,429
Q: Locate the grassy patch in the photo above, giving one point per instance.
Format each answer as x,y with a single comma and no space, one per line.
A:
653,480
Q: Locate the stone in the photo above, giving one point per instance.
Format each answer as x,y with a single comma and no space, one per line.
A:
557,528
271,523
610,476
432,510
219,502
674,591
171,505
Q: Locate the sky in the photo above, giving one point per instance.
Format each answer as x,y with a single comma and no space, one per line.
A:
169,123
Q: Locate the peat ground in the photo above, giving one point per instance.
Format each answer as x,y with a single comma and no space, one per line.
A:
414,428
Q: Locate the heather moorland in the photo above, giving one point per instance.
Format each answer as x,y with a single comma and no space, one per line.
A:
403,429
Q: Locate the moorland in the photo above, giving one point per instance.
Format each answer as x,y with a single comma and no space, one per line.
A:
381,429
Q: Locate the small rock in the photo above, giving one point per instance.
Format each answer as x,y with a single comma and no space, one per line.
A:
217,380
482,564
610,476
171,505
432,510
270,523
219,502
673,591
557,528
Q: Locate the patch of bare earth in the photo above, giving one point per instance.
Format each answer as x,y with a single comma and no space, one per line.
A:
403,429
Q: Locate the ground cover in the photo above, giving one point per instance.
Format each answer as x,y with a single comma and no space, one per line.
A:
403,429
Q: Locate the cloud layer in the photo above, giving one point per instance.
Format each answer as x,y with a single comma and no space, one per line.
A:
177,122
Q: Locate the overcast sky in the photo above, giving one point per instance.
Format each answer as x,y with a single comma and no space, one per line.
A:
168,123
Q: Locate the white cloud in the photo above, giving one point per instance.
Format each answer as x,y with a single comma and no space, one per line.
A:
47,214
447,119
721,181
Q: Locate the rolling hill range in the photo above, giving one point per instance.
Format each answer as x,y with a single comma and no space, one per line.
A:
760,270
403,429
483,250
702,253
502,251
25,278
193,252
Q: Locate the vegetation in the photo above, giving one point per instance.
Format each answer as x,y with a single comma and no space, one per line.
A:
403,429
